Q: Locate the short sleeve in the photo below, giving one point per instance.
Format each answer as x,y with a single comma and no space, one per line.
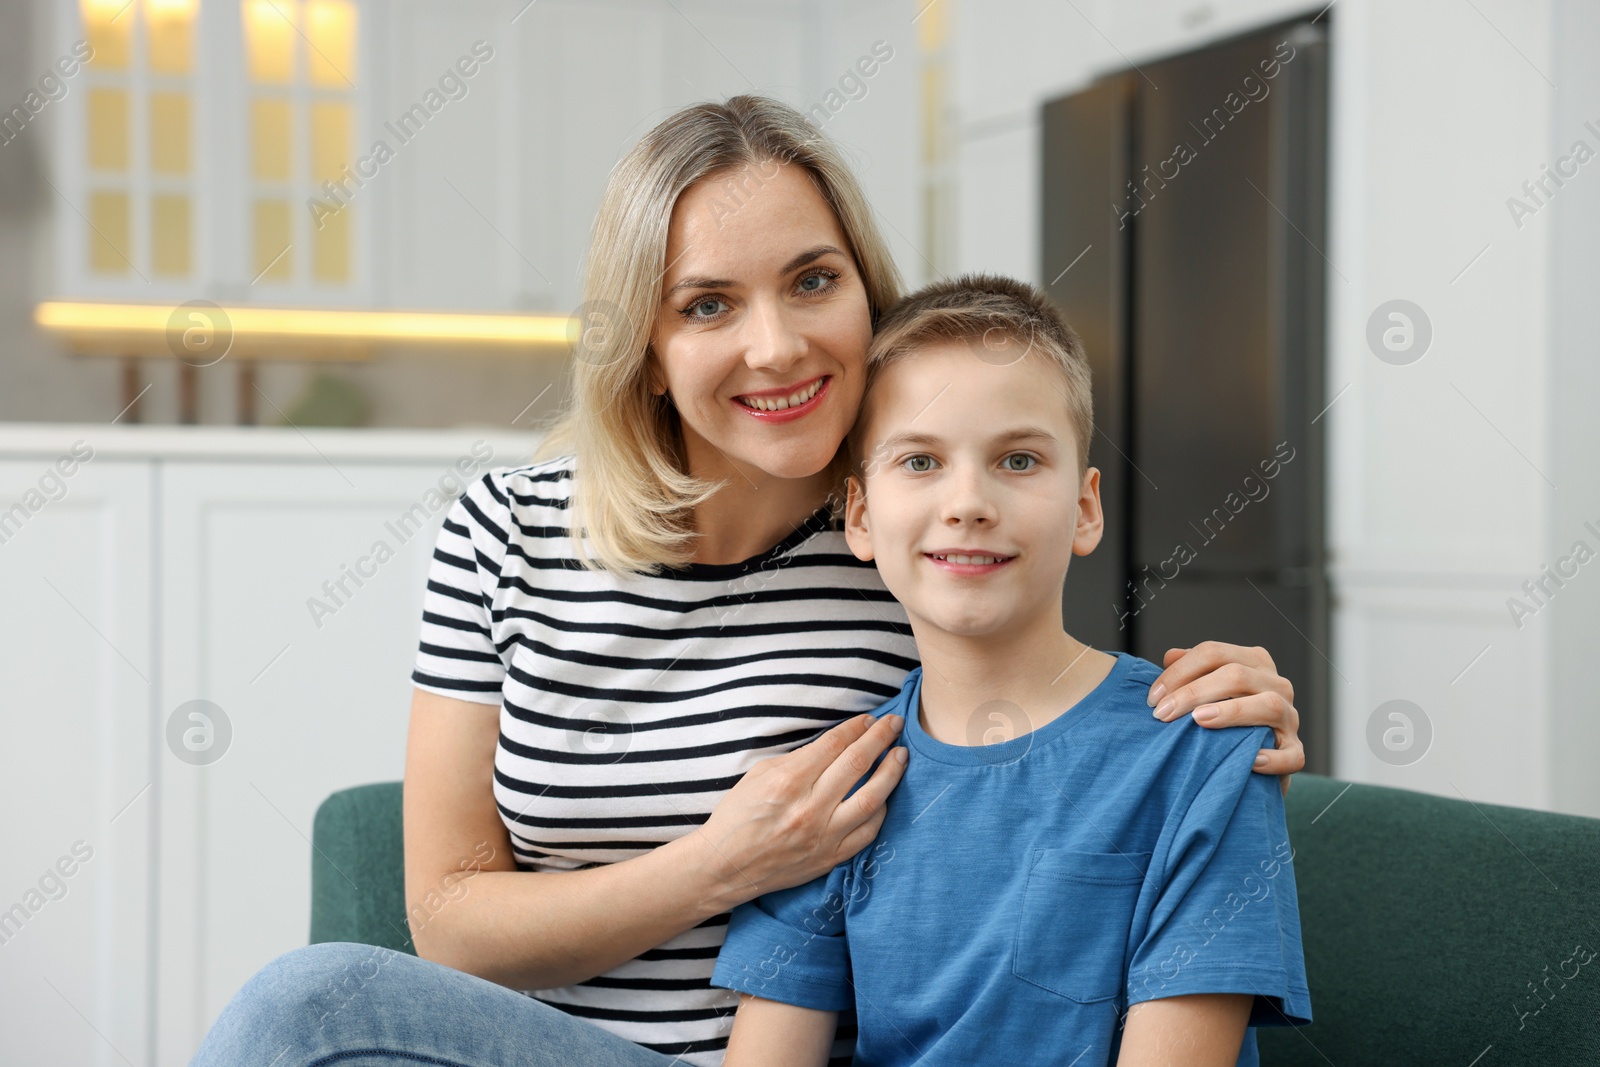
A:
1227,916
456,653
790,945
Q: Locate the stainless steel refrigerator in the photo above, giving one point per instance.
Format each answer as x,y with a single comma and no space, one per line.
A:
1183,232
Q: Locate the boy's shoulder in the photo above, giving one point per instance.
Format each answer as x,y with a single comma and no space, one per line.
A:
1124,716
1119,714
897,704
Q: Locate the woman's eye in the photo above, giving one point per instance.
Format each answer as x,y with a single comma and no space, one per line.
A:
704,309
1019,461
823,280
919,464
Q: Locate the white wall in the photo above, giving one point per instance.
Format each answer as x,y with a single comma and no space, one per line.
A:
1572,222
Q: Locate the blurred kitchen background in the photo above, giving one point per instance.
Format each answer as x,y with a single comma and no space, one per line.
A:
278,276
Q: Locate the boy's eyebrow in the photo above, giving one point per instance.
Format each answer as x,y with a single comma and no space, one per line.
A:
928,440
810,255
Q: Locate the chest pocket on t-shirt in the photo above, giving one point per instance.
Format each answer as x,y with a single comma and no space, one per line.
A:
1077,908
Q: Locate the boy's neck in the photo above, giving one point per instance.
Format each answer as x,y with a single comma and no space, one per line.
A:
1038,673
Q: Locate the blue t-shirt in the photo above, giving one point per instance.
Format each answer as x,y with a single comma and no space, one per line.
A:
1021,895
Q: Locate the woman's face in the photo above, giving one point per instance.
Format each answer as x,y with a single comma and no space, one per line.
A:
762,331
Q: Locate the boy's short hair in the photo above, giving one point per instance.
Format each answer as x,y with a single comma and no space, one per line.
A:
1003,320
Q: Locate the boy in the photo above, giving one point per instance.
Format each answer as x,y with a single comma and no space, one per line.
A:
1059,877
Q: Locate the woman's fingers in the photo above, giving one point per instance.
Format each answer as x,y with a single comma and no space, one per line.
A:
815,757
1184,666
812,760
1233,685
873,795
1223,682
1282,762
855,760
862,836
1252,708
1262,709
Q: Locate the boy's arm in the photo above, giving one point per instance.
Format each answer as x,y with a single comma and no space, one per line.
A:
769,1033
1226,920
1199,1030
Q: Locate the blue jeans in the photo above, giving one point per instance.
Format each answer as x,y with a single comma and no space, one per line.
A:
360,1006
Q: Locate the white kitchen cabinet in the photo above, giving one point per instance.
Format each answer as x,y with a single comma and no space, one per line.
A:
79,682
178,566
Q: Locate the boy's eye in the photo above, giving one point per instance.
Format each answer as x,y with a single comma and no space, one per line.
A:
1019,461
919,464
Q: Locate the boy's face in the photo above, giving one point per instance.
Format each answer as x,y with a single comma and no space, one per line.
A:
966,457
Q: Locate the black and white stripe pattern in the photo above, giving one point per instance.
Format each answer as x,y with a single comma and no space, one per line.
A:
629,705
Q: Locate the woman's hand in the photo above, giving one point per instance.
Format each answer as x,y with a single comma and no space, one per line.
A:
1232,685
787,820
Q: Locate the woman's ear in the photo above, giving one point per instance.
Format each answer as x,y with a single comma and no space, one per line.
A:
856,533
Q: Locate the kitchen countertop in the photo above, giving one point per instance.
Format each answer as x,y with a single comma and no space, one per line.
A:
311,444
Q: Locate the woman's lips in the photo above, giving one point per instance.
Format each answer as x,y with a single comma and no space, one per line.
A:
793,412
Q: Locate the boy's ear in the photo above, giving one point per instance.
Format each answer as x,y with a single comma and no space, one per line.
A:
856,533
1091,518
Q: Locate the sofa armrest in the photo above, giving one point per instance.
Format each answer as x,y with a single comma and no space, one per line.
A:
358,869
1436,928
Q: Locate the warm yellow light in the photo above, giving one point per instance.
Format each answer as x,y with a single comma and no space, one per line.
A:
108,129
170,34
308,324
169,234
271,138
109,32
331,30
169,133
108,232
102,11
330,140
269,37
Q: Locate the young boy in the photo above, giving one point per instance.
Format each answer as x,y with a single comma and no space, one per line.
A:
1059,877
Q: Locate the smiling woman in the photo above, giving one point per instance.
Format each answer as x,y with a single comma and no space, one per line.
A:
797,274
649,758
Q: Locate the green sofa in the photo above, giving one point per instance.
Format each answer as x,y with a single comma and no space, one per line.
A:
1437,931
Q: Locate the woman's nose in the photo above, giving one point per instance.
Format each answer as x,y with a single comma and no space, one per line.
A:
773,342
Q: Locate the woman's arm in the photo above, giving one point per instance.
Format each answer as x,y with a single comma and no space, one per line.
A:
1233,685
1199,1030
767,1033
781,825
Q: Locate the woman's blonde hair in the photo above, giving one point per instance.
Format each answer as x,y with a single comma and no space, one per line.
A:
631,494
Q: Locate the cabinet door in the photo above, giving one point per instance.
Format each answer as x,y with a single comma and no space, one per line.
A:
78,703
292,601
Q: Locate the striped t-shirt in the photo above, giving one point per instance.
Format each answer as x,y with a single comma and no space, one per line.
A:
630,704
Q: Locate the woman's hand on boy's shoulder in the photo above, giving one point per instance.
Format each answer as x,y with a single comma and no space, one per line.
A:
1233,685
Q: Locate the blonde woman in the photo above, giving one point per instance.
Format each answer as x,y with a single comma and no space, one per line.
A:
628,644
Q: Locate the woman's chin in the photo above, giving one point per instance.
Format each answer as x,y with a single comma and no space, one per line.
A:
796,462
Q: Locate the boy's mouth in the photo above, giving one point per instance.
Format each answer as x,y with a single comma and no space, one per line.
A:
968,562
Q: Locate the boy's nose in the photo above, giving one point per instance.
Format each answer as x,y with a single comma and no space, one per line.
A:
968,502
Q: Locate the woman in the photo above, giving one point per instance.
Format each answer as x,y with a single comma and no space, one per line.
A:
641,697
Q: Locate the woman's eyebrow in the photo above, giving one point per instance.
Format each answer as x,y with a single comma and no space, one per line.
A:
810,255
